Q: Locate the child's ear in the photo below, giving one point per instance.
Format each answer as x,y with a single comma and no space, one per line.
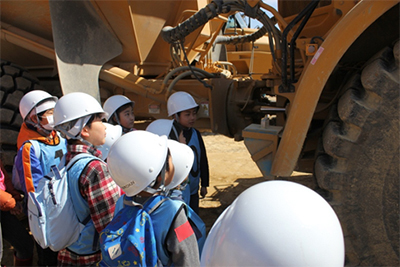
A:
85,132
34,118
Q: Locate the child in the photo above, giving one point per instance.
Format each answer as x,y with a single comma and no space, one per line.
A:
12,229
141,164
40,147
113,132
183,108
79,116
172,130
120,112
36,109
183,162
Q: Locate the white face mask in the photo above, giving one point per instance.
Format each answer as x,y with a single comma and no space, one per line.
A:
50,125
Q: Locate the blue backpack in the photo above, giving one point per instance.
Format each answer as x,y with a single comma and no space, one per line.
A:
128,240
53,218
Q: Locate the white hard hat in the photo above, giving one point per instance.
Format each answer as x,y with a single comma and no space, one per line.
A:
32,99
180,101
73,106
182,158
160,127
113,132
136,159
276,223
114,102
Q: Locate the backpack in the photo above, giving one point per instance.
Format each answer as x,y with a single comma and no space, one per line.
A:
52,217
16,180
129,240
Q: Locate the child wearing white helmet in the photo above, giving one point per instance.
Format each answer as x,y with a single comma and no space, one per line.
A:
142,164
113,132
183,162
120,112
79,116
172,130
39,148
182,107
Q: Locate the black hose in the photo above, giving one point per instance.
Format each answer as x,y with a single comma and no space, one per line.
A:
241,39
174,34
293,42
309,8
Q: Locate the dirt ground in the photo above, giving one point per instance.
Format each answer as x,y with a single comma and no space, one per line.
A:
231,172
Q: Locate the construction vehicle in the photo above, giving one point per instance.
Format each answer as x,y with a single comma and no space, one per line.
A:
315,88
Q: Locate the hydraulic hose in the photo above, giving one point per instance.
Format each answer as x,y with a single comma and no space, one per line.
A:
242,38
174,34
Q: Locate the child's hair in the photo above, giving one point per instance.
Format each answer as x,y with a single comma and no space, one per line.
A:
167,167
94,116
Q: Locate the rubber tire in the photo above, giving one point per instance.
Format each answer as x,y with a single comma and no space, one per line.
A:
15,81
359,166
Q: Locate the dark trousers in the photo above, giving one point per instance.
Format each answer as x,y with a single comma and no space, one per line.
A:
16,233
46,257
194,202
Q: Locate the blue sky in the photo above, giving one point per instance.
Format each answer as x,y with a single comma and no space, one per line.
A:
273,3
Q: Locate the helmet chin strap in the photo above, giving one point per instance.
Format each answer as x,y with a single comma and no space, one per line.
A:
38,126
75,131
124,129
176,117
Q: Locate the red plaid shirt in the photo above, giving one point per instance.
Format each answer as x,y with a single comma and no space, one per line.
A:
101,193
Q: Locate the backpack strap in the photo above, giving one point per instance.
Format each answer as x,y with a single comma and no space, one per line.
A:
158,204
77,197
36,147
78,157
69,166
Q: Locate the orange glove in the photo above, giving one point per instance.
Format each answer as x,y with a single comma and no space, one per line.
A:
7,202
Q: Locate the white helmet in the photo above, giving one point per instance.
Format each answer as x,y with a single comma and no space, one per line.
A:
113,132
113,103
180,101
276,223
182,158
160,127
31,100
74,106
182,155
136,159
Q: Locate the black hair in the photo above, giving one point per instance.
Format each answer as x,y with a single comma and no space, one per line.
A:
167,167
40,115
197,110
88,124
94,116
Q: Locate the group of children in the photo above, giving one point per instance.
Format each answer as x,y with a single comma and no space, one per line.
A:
144,167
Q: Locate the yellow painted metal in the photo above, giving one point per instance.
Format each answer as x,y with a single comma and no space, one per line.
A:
27,40
315,76
261,142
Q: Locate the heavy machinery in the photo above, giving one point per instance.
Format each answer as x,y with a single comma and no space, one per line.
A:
315,88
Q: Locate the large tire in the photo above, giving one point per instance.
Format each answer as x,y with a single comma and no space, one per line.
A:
359,165
14,83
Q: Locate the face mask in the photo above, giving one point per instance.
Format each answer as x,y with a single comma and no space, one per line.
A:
49,126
